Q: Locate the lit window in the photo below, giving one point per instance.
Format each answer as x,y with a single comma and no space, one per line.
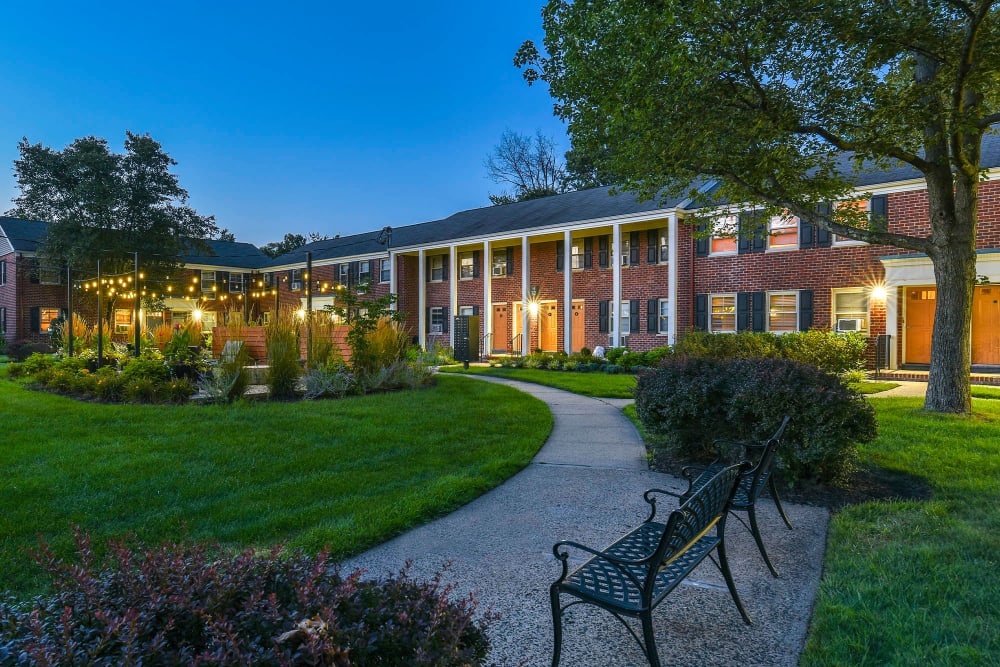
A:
723,313
576,260
724,230
466,264
499,263
46,315
208,281
851,208
849,309
236,283
782,312
296,280
783,232
123,320
384,273
437,268
663,317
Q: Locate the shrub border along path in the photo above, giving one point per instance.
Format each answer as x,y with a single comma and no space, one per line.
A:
586,485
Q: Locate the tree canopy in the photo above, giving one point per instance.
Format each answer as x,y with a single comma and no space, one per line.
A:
529,164
290,243
785,103
104,205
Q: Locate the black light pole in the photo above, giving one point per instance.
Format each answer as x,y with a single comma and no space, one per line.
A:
309,308
135,303
100,330
69,310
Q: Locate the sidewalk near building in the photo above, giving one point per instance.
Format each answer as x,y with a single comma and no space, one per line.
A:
586,485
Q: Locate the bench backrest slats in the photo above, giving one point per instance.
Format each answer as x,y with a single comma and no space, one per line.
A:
760,472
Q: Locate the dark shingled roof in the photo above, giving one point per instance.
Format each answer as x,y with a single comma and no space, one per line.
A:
23,235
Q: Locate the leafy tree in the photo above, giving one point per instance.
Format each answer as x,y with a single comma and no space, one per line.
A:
290,243
527,163
786,102
103,205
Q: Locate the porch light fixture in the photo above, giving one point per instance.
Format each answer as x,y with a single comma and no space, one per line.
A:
196,314
879,292
533,308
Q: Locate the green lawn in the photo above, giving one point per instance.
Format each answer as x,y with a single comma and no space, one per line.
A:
347,474
979,391
910,582
600,385
872,387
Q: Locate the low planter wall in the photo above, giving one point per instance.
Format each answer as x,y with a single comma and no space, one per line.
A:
254,340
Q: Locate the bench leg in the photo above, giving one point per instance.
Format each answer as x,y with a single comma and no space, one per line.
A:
755,529
777,501
556,626
647,635
727,573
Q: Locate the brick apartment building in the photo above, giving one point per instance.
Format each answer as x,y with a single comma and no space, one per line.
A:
584,269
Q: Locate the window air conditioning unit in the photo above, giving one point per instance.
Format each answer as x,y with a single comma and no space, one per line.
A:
624,260
499,271
296,285
437,328
845,324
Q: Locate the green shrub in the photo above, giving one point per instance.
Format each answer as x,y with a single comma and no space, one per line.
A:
831,351
110,387
614,354
330,381
148,366
74,364
688,402
36,362
382,345
742,345
178,390
180,604
140,389
282,337
22,349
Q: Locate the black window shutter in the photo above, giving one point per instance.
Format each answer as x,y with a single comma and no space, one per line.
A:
444,320
759,241
34,272
823,237
743,311
701,311
744,236
880,212
475,310
476,256
652,251
510,260
560,249
633,315
633,248
445,261
652,315
427,320
222,281
602,316
701,244
805,309
428,260
757,311
602,251
36,319
588,253
807,234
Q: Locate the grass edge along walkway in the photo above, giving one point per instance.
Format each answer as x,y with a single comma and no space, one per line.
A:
595,385
347,474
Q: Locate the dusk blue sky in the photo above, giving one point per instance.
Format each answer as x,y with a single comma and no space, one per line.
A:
283,117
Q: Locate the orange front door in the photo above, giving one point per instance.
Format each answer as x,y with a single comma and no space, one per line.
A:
548,324
920,303
986,326
578,332
517,342
501,337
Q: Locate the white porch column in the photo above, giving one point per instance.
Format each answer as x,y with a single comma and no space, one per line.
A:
616,289
393,280
672,277
453,290
422,297
487,299
892,322
525,277
568,291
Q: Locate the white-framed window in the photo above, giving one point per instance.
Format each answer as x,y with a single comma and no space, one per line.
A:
626,252
782,312
856,205
724,230
208,320
722,313
268,279
437,320
296,281
783,232
663,249
364,270
576,260
499,264
466,265
236,283
49,275
208,286
437,268
178,317
123,320
626,318
663,317
45,317
467,310
385,271
3,320
849,310
3,272
343,273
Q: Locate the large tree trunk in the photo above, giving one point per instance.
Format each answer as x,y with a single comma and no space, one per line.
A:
953,254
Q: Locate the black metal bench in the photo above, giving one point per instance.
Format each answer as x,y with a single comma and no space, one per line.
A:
633,575
751,484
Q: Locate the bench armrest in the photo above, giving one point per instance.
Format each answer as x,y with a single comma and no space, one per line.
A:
651,499
563,557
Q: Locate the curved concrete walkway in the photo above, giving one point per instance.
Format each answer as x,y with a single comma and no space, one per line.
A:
586,485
